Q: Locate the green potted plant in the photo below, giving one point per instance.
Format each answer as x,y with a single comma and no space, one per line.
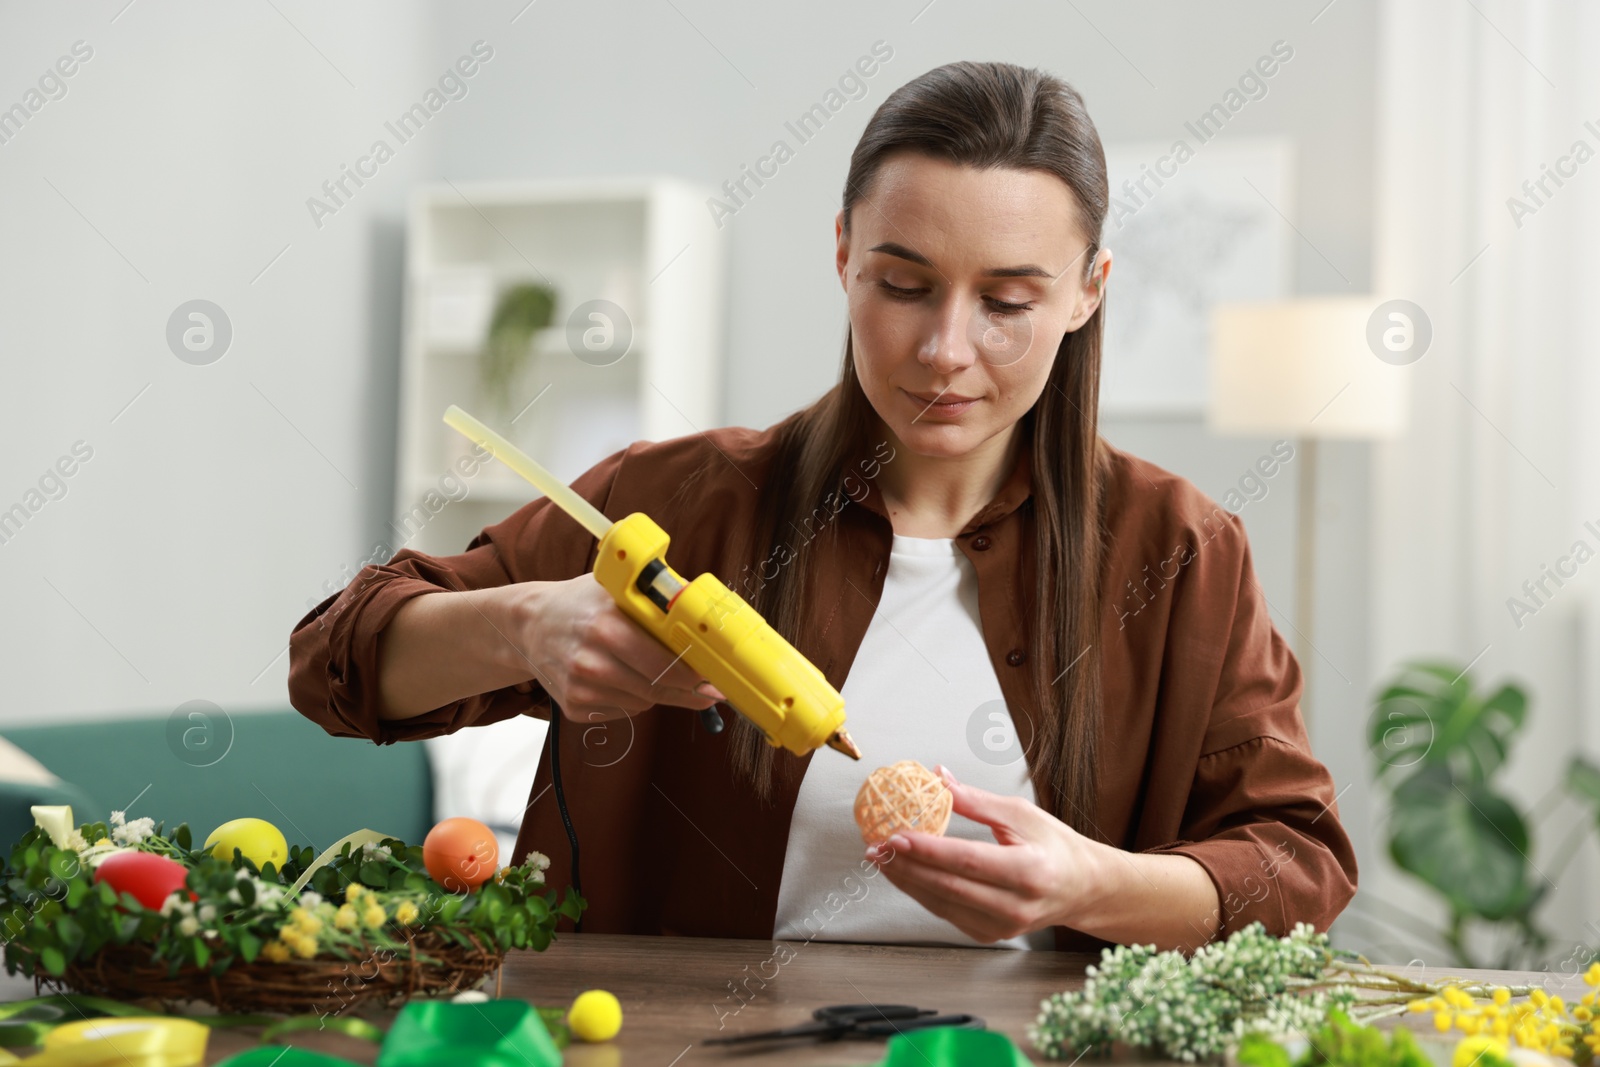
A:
520,312
1439,745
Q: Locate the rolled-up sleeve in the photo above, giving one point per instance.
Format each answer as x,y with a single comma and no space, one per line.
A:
1262,817
333,649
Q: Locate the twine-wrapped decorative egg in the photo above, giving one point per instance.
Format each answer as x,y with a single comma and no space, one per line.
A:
902,796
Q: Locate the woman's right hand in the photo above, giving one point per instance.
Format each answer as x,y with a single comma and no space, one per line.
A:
597,663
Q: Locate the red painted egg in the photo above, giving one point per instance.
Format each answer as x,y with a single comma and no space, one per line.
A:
145,876
460,854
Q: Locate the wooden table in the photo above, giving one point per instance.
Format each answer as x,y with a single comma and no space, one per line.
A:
677,992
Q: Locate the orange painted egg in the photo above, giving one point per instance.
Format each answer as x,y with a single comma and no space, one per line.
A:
461,854
145,876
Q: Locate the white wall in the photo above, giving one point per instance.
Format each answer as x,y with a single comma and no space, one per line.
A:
213,505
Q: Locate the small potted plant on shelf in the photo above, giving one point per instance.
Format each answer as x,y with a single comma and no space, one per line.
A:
520,312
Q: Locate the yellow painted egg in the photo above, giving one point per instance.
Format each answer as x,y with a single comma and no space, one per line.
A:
257,840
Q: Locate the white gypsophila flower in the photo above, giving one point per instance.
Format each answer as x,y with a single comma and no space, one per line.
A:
537,861
188,926
374,850
1194,1008
76,842
310,899
233,895
171,904
207,913
117,818
132,833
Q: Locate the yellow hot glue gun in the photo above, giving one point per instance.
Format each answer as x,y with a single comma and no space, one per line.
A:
716,632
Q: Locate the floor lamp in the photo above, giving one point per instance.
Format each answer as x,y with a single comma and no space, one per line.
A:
1302,369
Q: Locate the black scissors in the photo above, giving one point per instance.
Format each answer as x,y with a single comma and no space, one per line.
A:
858,1020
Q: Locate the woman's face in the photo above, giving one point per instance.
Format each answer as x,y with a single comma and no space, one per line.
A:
961,284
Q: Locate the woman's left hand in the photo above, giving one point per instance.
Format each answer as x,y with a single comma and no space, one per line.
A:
1039,873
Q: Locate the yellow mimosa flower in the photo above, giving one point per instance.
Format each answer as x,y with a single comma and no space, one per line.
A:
1472,1049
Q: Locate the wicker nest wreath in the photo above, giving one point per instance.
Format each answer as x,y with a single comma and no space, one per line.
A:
431,968
140,915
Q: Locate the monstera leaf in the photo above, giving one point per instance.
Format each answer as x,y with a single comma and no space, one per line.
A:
1430,717
1466,841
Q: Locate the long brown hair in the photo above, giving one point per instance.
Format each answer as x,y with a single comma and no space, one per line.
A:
979,115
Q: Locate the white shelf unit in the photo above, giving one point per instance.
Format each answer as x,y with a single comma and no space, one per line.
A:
642,244
647,246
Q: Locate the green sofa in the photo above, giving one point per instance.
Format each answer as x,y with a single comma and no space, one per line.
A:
273,765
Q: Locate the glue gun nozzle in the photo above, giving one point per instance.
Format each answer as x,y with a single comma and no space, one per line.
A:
840,741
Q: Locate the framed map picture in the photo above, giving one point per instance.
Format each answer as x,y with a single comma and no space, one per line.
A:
1191,223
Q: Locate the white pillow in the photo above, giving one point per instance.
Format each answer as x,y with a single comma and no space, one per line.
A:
486,773
17,766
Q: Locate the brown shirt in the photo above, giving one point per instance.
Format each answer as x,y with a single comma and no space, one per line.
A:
1203,751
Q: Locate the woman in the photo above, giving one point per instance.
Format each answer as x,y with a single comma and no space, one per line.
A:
1075,635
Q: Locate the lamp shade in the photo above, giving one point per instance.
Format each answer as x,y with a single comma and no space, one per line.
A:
1302,368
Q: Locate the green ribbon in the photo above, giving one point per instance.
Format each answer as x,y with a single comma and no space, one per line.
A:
948,1046
496,1033
350,1027
283,1057
25,1024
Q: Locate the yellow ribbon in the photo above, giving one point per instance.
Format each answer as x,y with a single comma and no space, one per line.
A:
136,1041
355,841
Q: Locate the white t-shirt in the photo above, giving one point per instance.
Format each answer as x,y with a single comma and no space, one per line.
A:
921,687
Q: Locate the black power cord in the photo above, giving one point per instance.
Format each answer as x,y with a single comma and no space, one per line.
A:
710,718
561,802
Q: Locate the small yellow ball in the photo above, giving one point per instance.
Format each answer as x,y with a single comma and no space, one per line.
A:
595,1016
